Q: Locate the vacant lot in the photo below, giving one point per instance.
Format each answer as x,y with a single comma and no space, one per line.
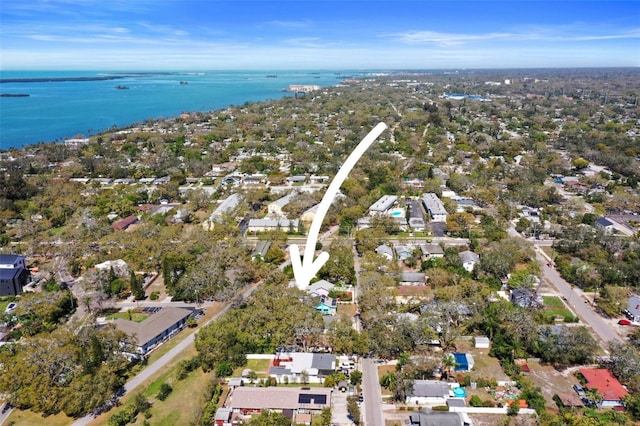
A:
551,381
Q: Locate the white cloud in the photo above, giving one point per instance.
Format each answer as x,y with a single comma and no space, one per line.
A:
445,39
292,24
542,34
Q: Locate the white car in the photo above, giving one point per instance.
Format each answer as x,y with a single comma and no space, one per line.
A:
11,307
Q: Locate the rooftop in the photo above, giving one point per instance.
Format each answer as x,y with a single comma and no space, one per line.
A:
276,398
602,380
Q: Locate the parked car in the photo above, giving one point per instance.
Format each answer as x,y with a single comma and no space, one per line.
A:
579,390
624,322
11,307
588,402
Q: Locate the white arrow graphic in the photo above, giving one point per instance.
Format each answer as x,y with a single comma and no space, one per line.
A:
305,270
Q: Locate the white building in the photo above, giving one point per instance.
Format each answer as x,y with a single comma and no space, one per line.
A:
383,205
226,207
265,225
432,392
275,207
469,259
434,207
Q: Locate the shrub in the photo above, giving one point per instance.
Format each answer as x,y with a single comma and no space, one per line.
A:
466,381
155,295
224,369
187,366
165,391
475,401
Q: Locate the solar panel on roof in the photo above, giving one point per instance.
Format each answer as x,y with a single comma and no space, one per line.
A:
308,398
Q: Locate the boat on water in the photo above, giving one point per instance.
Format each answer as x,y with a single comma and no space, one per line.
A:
14,95
121,87
271,75
182,83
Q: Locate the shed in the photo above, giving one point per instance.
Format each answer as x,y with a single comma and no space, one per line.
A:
223,415
481,342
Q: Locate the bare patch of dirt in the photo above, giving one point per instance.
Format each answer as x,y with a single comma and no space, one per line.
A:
551,381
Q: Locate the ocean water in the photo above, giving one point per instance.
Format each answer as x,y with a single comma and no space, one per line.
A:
58,110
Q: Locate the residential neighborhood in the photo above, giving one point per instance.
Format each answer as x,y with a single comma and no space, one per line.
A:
482,268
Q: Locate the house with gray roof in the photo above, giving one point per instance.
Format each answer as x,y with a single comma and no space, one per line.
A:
604,225
436,418
14,274
434,207
383,204
275,207
156,329
385,251
296,404
222,416
402,252
433,392
295,365
417,224
633,308
469,259
226,207
412,278
320,288
430,251
296,179
262,247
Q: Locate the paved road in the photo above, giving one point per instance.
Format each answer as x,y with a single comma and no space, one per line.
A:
372,405
576,301
572,296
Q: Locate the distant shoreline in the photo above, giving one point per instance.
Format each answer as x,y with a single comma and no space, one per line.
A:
90,78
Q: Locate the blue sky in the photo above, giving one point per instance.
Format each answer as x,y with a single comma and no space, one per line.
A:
329,34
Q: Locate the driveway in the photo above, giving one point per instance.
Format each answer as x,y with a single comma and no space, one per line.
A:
339,412
372,406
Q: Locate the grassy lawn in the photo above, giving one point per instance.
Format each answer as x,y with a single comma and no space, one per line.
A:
348,310
382,370
131,316
180,407
19,417
558,312
186,399
552,301
260,366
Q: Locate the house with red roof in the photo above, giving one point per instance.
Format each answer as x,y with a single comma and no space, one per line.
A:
609,387
124,223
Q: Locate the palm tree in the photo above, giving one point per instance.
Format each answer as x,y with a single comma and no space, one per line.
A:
449,364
